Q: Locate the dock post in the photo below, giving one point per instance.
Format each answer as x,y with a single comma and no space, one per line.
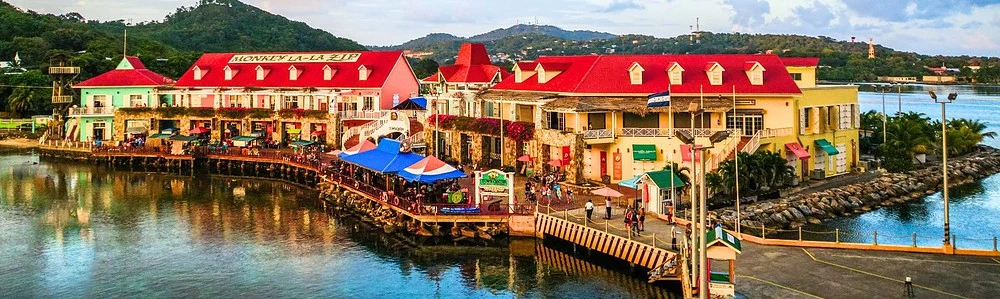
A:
994,243
994,239
914,239
800,234
876,238
654,240
838,236
566,214
762,234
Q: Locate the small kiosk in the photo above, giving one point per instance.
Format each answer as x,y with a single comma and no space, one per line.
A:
658,190
722,246
493,187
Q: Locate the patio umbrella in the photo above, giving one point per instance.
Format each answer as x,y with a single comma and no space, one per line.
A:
525,158
556,163
319,133
364,146
198,130
334,152
429,170
605,191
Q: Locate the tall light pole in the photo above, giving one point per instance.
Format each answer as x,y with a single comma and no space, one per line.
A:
885,117
944,160
899,97
700,228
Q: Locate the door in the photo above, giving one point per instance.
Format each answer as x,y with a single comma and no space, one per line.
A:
466,155
842,158
98,132
604,164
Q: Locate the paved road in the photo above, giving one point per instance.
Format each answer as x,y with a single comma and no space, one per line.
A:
791,272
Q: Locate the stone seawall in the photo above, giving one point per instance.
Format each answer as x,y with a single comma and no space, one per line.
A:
889,189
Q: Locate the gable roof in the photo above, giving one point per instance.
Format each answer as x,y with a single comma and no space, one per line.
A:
378,64
800,61
472,66
664,178
718,235
130,72
603,75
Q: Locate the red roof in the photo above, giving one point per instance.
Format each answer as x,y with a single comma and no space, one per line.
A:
137,75
472,66
800,61
311,74
608,74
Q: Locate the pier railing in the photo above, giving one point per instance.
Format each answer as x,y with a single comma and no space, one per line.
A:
873,240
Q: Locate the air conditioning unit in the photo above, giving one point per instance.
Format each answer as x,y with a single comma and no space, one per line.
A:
817,174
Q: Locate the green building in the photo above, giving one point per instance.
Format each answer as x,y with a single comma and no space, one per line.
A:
128,85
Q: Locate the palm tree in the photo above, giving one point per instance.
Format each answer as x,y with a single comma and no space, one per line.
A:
20,100
681,172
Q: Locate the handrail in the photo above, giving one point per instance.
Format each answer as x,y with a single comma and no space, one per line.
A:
91,111
775,132
753,144
598,133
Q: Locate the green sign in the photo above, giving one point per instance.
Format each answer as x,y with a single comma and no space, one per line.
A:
644,152
455,198
494,181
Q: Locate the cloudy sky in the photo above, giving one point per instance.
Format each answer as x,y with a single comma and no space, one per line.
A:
950,27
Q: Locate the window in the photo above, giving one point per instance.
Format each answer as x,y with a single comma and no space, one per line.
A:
650,120
555,121
675,76
369,103
757,77
846,113
100,100
291,102
488,109
635,74
197,73
796,76
747,124
136,100
804,118
596,121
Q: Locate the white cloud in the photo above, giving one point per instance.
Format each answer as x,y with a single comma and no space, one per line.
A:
926,26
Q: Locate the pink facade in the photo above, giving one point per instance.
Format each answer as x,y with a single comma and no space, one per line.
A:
401,81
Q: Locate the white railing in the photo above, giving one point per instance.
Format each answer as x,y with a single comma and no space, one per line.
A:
770,133
725,150
600,133
91,111
700,132
362,130
417,138
753,144
361,114
647,132
67,144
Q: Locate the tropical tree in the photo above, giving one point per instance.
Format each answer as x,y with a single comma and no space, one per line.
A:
907,134
682,172
871,132
760,171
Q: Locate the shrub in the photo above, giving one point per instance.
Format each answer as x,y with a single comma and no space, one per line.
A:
134,110
201,111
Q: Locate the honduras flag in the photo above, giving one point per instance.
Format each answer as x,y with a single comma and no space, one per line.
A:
661,99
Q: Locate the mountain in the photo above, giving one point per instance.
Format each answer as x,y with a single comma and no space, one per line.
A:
524,29
437,39
232,26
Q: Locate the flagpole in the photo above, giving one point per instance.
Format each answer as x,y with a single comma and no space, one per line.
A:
500,115
737,161
670,158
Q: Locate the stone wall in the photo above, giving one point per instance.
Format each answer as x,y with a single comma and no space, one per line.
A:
556,140
889,189
183,122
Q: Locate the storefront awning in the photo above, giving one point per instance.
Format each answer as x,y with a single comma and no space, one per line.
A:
301,143
184,138
664,179
631,183
243,138
158,136
827,147
644,152
797,149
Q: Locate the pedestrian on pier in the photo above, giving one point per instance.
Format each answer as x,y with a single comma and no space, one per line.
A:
642,219
590,208
607,206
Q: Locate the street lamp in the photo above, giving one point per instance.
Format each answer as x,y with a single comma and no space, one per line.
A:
699,227
944,159
899,98
885,117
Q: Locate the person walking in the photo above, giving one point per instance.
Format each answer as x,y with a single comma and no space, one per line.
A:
607,207
590,208
557,189
634,219
628,221
642,219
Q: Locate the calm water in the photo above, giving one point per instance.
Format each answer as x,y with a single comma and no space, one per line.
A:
974,208
71,231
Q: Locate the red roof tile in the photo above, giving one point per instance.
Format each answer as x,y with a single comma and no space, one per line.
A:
138,75
800,61
608,74
378,63
472,66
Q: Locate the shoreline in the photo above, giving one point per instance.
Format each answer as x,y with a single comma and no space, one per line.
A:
886,190
19,143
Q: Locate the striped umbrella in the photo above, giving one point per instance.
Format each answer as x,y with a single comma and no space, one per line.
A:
364,146
429,170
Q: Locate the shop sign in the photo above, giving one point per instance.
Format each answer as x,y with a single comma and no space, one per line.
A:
292,58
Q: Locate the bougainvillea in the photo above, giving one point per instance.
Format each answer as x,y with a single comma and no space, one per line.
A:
517,131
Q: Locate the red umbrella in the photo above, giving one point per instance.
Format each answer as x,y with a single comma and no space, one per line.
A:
556,163
319,133
198,130
525,158
605,191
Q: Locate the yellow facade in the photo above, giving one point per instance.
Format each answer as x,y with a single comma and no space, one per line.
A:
806,75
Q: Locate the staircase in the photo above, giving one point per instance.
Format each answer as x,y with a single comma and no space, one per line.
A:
356,133
669,270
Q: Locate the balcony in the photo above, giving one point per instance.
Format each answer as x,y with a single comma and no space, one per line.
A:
92,111
776,132
599,136
64,70
647,132
62,99
361,114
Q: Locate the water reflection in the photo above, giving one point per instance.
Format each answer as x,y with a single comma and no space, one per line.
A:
78,231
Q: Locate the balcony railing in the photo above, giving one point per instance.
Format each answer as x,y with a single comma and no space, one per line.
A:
62,99
770,133
91,111
361,114
64,70
599,133
646,132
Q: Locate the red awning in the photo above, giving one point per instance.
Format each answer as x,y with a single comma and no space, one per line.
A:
796,148
319,133
686,154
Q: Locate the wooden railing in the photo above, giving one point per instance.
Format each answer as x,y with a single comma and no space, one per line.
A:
91,111
771,133
599,133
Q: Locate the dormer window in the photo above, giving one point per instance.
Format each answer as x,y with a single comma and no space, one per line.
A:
675,72
293,73
328,72
635,73
363,72
523,70
549,70
197,72
714,72
230,72
262,72
755,72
